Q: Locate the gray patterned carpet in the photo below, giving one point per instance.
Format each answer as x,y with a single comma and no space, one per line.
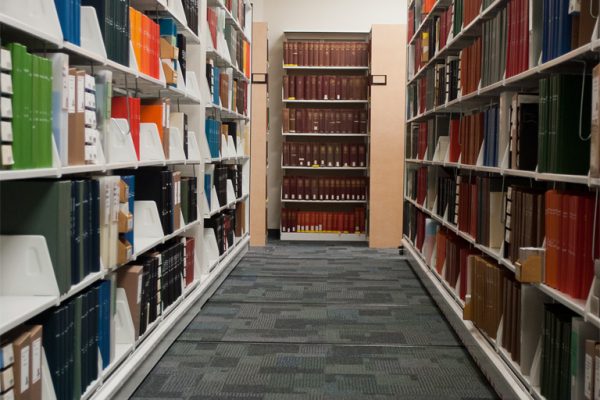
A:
318,321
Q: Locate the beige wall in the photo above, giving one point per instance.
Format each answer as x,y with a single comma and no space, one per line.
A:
309,15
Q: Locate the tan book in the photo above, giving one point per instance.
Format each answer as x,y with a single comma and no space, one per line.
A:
22,367
76,109
130,279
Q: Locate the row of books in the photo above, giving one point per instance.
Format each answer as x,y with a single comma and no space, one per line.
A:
507,215
515,39
310,120
417,12
21,363
215,130
237,8
172,51
516,315
190,10
114,21
309,154
227,226
294,221
27,118
548,131
324,188
326,54
226,91
237,46
325,87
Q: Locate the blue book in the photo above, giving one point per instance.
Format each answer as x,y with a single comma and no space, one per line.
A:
208,188
130,182
167,27
564,28
216,86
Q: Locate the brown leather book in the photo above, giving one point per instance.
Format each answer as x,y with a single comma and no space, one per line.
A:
327,58
286,154
313,87
301,52
292,121
326,88
286,188
354,155
338,88
76,117
294,188
301,116
294,53
330,155
301,154
287,53
311,54
348,61
338,121
286,120
355,121
319,92
306,61
294,154
292,88
286,87
314,189
345,91
323,152
321,123
307,189
337,154
315,154
354,54
327,195
300,87
129,278
364,117
320,54
346,155
321,185
300,189
224,90
308,156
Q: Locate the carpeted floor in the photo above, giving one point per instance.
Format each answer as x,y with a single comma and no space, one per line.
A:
318,321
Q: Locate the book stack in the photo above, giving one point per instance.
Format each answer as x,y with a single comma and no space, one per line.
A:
326,54
190,9
470,68
237,8
470,137
324,87
320,188
21,363
69,16
524,220
446,192
234,174
309,120
157,184
564,124
517,50
189,250
74,332
213,136
189,199
217,224
489,207
31,115
492,145
145,39
129,108
6,91
115,20
494,38
220,182
169,52
523,125
74,252
179,120
323,222
326,155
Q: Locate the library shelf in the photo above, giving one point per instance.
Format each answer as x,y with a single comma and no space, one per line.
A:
538,176
436,9
172,9
479,344
225,61
226,114
324,68
318,168
312,236
576,305
325,135
324,201
292,101
229,18
112,380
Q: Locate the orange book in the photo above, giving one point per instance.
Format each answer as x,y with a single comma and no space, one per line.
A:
153,112
427,6
135,31
441,251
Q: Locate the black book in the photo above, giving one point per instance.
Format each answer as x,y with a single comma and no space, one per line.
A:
182,58
527,142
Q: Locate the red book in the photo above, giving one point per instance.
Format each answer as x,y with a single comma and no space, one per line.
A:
553,221
129,108
211,17
564,241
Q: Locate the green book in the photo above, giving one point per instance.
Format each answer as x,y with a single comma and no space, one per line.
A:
78,302
41,208
36,101
45,138
543,126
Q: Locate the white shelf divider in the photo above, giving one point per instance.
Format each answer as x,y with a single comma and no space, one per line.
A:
231,198
147,227
38,17
150,144
120,148
192,88
205,149
91,35
28,284
194,153
176,152
211,249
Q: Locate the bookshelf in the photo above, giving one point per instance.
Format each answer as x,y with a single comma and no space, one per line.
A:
338,122
33,289
471,75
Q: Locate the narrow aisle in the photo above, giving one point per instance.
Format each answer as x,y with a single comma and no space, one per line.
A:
318,321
